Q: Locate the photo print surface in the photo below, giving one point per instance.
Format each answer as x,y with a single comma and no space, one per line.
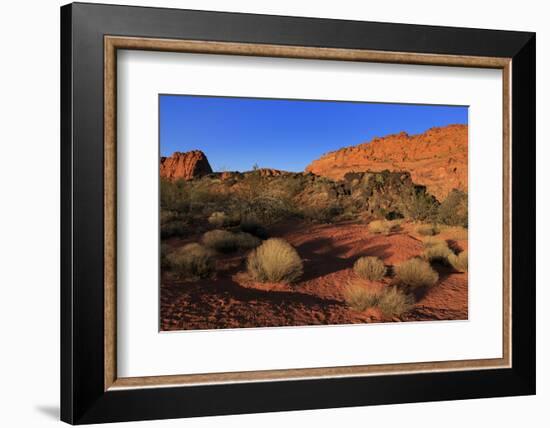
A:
283,212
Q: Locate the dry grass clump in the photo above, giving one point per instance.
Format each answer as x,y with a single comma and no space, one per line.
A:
359,297
394,302
416,273
274,261
456,233
437,253
384,227
218,219
227,242
371,268
431,241
459,261
427,230
191,262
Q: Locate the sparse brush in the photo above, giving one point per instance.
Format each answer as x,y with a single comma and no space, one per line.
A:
371,268
416,273
191,262
359,297
459,261
394,302
383,226
227,242
275,261
427,230
437,253
254,227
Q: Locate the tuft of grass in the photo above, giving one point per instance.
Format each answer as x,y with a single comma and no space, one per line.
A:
371,268
191,262
275,261
459,261
427,230
394,302
359,297
224,241
384,227
416,273
218,219
431,241
437,253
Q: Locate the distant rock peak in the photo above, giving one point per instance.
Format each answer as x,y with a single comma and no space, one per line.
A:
185,165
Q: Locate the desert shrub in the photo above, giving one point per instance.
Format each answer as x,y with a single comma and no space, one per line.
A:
323,214
254,227
427,230
459,261
246,241
274,261
456,233
371,268
191,262
454,209
420,206
218,219
430,241
359,297
437,253
173,228
383,226
220,240
416,273
226,242
394,302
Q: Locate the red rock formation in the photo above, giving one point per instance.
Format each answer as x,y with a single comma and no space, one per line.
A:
437,158
185,166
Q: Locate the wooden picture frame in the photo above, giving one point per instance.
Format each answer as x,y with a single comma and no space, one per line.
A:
91,390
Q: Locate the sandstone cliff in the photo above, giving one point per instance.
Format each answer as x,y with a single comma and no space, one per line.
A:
438,158
184,166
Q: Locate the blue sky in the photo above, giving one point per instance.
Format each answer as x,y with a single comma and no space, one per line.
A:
236,133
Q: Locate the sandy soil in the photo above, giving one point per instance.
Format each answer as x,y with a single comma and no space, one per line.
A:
231,300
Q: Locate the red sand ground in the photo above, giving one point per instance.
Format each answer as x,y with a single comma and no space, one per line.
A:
328,252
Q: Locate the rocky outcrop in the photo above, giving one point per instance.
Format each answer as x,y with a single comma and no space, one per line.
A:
437,158
186,166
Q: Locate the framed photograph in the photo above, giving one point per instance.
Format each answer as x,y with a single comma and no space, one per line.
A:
266,213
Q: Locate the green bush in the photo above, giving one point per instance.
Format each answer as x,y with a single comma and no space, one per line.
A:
459,261
416,273
453,210
226,242
191,262
275,261
371,268
394,302
359,297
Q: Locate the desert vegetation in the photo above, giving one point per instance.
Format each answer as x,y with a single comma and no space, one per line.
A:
371,268
270,248
274,261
